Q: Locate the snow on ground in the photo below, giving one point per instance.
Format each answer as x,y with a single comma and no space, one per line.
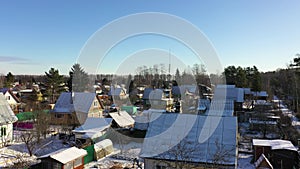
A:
50,145
244,161
123,156
130,150
15,154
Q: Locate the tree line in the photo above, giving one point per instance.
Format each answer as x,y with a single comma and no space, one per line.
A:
283,83
248,77
51,84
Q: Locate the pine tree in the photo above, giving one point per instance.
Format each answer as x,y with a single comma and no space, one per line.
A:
54,84
177,76
79,80
9,79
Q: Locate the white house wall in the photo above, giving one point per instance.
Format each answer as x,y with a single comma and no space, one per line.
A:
10,99
9,133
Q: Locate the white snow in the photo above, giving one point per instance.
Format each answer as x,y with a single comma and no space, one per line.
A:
123,156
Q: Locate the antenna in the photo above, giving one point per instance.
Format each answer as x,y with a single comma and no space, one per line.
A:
169,63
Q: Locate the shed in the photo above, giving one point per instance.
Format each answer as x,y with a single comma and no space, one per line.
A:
122,119
70,158
103,148
93,128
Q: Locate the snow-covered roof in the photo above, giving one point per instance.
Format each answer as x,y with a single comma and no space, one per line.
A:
116,91
275,144
202,137
68,102
153,94
8,91
93,126
260,94
156,94
231,93
142,121
225,86
102,144
122,118
67,155
217,107
221,108
261,159
181,90
6,113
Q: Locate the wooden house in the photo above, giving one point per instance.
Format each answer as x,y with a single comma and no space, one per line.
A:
190,141
11,98
70,158
72,108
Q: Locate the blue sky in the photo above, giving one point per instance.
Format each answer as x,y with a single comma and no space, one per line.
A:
38,35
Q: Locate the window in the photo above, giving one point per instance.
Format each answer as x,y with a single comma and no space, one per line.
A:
68,165
7,97
77,162
3,131
95,103
59,116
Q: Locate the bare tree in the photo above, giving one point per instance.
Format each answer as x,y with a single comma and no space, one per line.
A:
222,154
181,155
28,137
42,123
21,162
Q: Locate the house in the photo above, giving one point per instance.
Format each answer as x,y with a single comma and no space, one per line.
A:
117,93
11,98
141,121
279,152
70,158
122,119
72,108
7,118
216,107
146,100
93,128
157,98
179,91
230,92
263,163
190,141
